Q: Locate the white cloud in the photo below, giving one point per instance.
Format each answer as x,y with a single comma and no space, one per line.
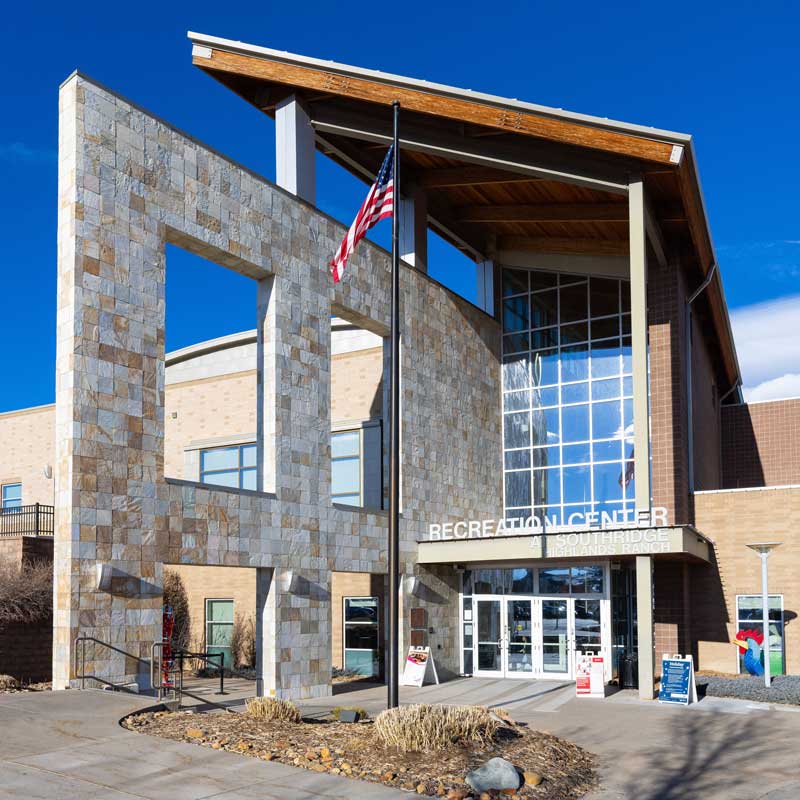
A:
768,343
21,152
776,389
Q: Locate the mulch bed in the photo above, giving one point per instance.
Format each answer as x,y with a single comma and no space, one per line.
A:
44,686
354,751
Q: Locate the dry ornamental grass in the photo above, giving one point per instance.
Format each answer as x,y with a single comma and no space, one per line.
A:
273,708
427,728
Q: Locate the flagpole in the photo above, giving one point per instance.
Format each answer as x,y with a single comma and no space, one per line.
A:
394,432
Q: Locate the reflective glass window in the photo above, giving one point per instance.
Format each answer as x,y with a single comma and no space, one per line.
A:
567,394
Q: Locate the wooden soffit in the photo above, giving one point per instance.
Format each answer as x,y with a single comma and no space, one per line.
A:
463,110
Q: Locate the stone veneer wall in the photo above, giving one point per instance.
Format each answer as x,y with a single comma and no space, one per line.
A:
129,183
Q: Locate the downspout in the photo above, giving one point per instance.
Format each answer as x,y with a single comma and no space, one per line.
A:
688,371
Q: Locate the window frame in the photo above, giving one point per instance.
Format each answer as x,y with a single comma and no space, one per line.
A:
598,498
376,625
241,469
208,622
742,623
13,502
359,459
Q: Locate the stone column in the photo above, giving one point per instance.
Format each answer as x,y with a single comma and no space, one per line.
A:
266,360
293,633
109,398
644,626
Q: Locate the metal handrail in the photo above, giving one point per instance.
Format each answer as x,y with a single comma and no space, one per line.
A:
32,520
80,650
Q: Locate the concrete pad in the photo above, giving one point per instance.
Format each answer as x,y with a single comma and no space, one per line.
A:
63,745
717,749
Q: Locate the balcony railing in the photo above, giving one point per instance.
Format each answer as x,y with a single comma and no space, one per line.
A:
35,520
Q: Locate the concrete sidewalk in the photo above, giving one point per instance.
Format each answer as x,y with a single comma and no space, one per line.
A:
64,745
717,749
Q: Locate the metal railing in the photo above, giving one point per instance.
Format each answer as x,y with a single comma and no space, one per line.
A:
80,663
34,520
170,679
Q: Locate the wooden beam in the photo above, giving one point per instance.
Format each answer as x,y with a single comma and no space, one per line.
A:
556,212
545,212
570,246
445,177
479,113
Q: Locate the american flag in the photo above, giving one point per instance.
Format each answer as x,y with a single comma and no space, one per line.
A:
378,205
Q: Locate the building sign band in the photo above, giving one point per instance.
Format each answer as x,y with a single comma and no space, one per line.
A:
587,534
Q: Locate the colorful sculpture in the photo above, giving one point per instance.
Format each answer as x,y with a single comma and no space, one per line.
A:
750,644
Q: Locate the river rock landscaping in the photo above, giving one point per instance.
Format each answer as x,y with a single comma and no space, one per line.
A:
548,768
784,689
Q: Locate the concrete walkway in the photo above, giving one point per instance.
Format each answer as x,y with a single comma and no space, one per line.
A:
717,749
65,745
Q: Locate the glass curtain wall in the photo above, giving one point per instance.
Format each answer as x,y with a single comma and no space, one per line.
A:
567,397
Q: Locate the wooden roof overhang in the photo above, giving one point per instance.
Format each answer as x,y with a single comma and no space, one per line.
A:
498,175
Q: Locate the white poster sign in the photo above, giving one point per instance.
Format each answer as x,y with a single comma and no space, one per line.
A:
589,675
417,662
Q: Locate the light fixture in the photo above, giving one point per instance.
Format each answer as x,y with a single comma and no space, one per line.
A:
288,581
764,549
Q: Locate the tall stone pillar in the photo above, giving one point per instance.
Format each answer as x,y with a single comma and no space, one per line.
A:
109,401
293,633
644,626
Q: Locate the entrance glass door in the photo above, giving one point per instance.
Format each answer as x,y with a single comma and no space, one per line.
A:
504,644
519,639
534,637
556,637
489,641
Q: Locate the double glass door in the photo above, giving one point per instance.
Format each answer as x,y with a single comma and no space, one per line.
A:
534,637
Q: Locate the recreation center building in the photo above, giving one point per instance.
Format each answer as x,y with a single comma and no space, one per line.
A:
579,471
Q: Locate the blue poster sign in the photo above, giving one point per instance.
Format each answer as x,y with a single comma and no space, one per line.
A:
677,681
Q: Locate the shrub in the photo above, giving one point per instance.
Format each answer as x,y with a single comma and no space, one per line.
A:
8,682
175,596
426,728
243,641
337,712
273,708
26,593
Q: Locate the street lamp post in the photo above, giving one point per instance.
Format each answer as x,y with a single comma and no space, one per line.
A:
764,549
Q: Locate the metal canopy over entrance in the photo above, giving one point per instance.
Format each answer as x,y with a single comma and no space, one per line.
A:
678,541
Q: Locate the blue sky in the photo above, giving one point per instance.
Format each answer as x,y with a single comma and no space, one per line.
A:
727,73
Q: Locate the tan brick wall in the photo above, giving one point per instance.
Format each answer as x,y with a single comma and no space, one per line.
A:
27,446
761,444
205,409
732,519
356,385
216,583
